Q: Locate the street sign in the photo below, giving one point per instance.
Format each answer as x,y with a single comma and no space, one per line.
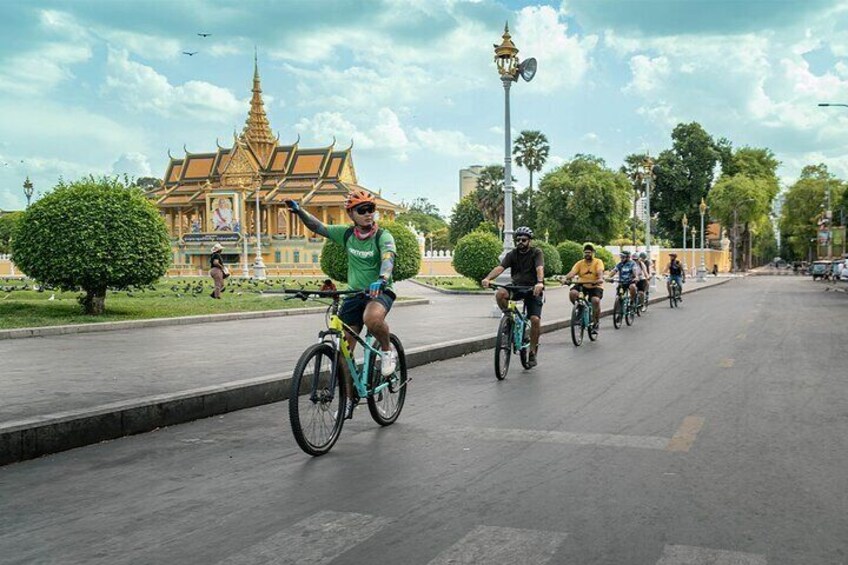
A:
217,237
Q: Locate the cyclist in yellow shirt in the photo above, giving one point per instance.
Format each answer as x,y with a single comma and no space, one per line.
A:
590,279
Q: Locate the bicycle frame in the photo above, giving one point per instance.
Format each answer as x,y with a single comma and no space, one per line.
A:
518,327
336,328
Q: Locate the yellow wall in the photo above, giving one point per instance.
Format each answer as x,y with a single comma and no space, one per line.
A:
711,257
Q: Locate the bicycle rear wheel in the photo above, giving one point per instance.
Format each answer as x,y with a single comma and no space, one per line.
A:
317,399
577,328
503,348
617,313
385,406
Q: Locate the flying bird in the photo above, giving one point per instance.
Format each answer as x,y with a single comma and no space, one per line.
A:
204,34
190,53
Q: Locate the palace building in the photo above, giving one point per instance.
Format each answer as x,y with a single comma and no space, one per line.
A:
220,197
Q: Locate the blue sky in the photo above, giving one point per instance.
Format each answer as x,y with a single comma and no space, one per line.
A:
103,86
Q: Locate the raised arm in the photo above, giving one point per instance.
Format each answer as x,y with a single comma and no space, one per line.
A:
308,219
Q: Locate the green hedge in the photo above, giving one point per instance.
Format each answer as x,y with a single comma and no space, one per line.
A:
407,262
605,256
553,263
92,234
569,253
476,254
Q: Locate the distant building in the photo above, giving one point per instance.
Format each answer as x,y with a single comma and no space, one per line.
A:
468,180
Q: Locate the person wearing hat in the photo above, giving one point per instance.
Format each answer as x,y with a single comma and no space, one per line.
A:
371,254
675,272
590,279
218,271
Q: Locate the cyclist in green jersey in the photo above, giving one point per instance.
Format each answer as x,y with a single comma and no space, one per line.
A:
371,259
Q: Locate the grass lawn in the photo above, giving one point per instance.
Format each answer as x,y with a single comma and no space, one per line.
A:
462,283
21,306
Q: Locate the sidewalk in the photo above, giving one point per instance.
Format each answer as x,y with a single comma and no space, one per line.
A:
66,377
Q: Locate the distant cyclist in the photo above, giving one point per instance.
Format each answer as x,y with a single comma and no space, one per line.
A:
590,279
675,273
527,268
645,279
628,273
371,261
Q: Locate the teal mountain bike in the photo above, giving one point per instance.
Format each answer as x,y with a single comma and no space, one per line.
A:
624,307
513,333
582,318
319,389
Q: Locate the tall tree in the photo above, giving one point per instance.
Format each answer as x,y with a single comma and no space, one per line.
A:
583,200
685,174
489,194
737,200
632,167
465,218
423,205
531,150
423,215
803,205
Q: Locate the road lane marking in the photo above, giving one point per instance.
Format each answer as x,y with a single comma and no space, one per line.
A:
690,555
317,540
685,435
726,363
495,545
741,336
572,438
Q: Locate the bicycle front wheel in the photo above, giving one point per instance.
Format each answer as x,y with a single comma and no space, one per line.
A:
577,328
385,406
503,348
628,313
524,352
317,399
617,313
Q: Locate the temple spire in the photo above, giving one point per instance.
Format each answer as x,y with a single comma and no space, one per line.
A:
257,131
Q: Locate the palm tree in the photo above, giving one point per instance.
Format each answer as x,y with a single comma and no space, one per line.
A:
633,169
531,151
489,194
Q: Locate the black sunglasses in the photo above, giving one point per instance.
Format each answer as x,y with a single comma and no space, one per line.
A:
365,209
522,239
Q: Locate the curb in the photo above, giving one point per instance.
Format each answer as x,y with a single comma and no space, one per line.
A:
469,292
46,331
42,435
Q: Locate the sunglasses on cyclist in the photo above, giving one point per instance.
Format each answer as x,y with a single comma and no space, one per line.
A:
365,209
522,239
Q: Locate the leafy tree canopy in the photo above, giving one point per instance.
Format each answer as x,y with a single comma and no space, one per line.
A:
531,150
582,200
7,225
465,218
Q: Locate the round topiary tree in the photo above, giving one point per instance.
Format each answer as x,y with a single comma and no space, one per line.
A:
92,234
476,254
605,255
553,263
407,261
569,253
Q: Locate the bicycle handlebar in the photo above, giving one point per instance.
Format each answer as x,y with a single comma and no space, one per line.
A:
304,294
510,288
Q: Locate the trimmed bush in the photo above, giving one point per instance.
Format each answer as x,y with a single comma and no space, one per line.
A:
407,262
476,254
569,253
94,234
605,256
553,263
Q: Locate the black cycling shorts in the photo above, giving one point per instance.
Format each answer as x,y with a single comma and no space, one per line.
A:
591,291
533,304
352,309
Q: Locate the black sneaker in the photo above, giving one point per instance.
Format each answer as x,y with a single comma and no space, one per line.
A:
350,404
532,360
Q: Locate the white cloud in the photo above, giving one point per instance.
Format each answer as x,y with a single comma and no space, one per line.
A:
648,73
133,164
563,58
147,46
456,144
384,134
142,89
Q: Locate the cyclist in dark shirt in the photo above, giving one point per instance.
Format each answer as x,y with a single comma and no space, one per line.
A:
527,268
675,272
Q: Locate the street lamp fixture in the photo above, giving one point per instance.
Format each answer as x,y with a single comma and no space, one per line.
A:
827,104
702,268
28,190
509,69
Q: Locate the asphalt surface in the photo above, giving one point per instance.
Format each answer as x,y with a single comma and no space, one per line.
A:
710,434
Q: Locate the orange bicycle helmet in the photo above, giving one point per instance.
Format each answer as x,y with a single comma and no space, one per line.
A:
357,197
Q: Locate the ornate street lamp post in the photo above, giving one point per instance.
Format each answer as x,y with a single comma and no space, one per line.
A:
509,69
685,223
646,175
694,233
28,190
702,268
258,264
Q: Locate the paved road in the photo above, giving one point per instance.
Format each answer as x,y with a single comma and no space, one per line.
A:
712,434
40,376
